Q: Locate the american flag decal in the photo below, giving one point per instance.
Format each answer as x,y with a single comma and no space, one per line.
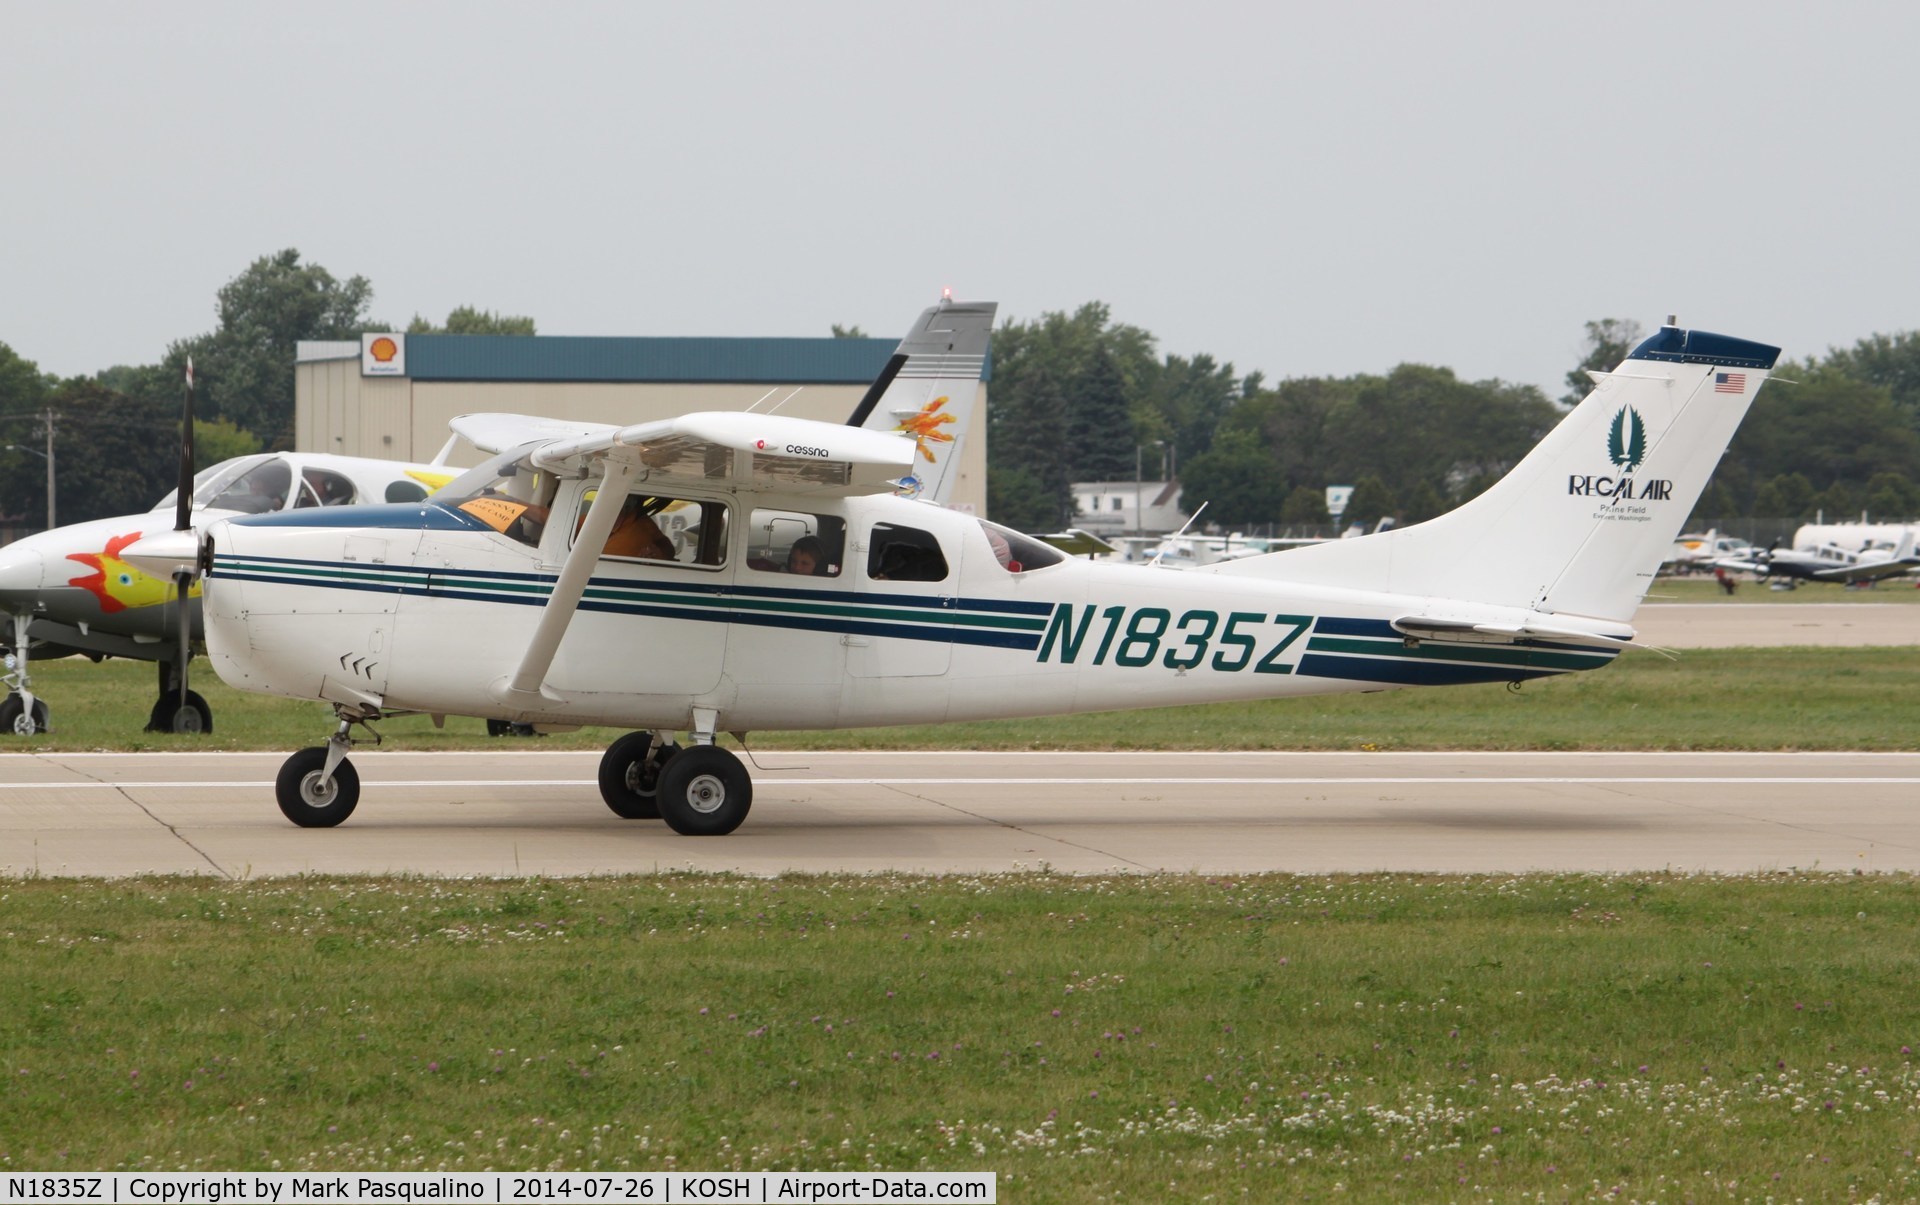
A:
1729,382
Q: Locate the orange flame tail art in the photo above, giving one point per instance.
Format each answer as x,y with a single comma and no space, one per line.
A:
924,427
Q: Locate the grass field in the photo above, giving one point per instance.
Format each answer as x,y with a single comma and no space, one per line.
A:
1639,1037
1797,698
1704,589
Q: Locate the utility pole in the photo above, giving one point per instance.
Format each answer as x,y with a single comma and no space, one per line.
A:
51,521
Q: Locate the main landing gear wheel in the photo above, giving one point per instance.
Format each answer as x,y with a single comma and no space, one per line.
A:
305,800
509,728
168,715
704,792
16,721
630,775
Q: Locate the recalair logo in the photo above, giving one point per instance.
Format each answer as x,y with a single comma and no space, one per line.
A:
1626,448
1627,440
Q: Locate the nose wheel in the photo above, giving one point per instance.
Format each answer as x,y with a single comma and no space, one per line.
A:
318,787
171,714
311,797
18,718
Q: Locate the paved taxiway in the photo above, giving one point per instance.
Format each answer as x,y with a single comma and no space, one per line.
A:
525,812
1773,625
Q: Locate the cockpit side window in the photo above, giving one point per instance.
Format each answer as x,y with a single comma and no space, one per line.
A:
651,527
905,554
797,542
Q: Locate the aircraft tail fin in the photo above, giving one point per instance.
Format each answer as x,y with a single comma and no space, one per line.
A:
930,390
1580,526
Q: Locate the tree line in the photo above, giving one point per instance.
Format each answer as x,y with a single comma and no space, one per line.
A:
1075,397
116,432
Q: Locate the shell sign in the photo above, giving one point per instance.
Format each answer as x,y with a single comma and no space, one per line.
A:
383,355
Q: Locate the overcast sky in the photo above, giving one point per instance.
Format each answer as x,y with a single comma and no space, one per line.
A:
1304,190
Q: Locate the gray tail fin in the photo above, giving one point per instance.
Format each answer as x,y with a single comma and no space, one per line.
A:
930,389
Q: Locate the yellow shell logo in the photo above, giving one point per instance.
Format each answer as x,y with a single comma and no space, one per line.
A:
383,349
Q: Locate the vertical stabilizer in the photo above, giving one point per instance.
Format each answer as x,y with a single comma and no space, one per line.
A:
1582,524
930,390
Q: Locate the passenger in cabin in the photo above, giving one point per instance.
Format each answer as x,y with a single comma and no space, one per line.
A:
636,534
808,557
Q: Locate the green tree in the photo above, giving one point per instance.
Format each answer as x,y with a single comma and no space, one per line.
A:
1829,427
1236,479
1891,498
1016,499
23,396
1787,496
1608,342
1889,361
1029,441
1099,420
215,440
1423,503
1839,502
1055,397
1371,502
468,320
246,364
117,454
1306,504
848,332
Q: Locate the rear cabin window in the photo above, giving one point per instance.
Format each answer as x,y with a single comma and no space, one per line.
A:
796,542
905,554
1017,553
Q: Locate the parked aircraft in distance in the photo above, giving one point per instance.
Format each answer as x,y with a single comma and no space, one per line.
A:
1700,552
1830,562
70,590
913,613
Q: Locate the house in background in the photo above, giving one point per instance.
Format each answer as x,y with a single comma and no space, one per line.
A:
1122,508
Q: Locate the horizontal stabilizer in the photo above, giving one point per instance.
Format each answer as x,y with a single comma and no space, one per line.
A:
1615,636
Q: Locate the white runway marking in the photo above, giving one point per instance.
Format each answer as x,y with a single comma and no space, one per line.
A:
1153,780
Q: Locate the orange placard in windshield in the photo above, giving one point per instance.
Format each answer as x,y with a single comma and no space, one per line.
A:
497,513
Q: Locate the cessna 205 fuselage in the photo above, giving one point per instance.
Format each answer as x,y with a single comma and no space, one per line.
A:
505,590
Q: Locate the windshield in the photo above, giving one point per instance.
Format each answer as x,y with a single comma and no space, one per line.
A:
204,482
511,497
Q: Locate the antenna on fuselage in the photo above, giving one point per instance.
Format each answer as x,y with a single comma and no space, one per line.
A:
1155,562
783,401
763,397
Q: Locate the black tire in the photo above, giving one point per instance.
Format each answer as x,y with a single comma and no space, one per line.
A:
14,720
704,792
169,716
301,801
509,728
630,775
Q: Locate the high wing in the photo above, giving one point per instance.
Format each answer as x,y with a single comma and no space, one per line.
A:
759,451
794,455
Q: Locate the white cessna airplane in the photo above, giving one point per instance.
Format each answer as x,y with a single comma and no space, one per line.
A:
498,595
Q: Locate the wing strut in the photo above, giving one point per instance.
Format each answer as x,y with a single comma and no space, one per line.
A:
525,684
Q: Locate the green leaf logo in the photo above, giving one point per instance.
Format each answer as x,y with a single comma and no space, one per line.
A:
1627,439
